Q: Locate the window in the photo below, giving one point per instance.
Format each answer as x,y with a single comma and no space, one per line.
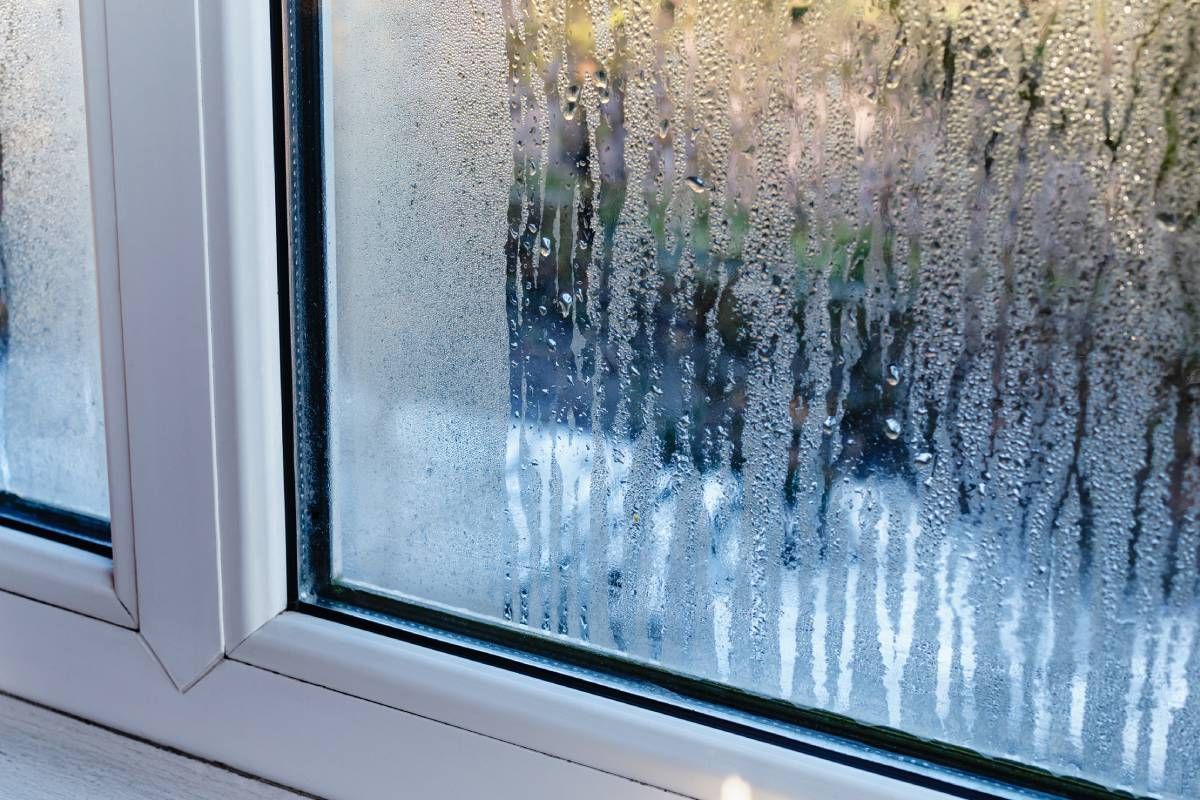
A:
634,400
52,443
837,361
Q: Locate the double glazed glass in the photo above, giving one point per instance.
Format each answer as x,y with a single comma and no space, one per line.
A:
846,354
52,446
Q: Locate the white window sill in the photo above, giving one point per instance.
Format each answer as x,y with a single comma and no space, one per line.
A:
50,756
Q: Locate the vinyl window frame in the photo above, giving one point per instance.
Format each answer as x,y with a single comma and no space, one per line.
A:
195,643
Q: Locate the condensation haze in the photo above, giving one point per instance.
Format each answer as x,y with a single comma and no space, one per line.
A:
51,415
845,352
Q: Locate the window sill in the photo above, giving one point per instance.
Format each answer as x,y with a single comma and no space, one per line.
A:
49,756
269,725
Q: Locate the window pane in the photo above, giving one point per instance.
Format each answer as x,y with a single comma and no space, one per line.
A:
51,417
844,353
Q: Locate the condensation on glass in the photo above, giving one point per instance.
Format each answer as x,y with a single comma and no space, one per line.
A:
844,352
51,422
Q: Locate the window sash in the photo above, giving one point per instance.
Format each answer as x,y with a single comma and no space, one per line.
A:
192,643
96,579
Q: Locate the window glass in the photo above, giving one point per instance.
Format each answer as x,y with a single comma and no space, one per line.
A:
844,353
52,449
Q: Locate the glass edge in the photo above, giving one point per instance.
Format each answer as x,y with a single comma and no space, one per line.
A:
880,749
84,531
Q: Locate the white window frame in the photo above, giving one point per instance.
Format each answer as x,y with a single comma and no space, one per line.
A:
48,571
191,644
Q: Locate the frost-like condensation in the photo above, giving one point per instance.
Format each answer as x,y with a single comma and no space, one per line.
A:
846,352
51,417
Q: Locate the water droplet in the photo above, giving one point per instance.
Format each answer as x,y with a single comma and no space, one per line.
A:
544,250
566,298
923,458
1167,221
514,231
696,184
572,94
532,227
601,79
829,424
605,96
569,110
553,344
893,375
891,428
664,129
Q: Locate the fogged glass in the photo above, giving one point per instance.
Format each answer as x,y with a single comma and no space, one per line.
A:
51,417
844,352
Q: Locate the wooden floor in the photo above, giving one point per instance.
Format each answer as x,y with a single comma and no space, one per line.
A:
49,756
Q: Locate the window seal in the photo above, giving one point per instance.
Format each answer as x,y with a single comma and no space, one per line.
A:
56,524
